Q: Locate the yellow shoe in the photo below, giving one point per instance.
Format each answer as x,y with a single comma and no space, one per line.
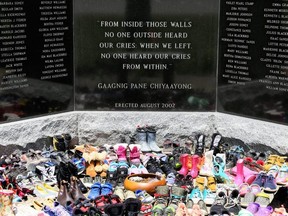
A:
270,162
200,182
211,183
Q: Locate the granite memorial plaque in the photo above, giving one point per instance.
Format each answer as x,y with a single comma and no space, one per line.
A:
145,54
36,58
253,59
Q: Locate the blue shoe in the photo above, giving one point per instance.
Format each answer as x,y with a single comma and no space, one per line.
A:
260,179
106,189
270,184
195,195
95,191
80,164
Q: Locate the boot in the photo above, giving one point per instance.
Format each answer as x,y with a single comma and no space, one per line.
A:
239,179
141,135
195,163
206,169
183,160
151,138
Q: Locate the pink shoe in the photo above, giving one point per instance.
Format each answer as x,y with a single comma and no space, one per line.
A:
195,163
184,160
239,179
135,155
121,153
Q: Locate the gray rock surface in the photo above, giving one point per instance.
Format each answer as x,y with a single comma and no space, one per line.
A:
28,131
101,128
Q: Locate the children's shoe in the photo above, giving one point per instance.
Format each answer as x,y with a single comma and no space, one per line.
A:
133,170
134,155
133,207
264,211
233,203
195,195
260,179
273,171
253,207
282,176
121,153
170,179
270,184
209,196
200,146
200,182
95,191
167,147
216,139
143,196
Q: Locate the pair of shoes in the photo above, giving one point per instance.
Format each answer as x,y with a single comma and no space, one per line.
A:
117,172
266,181
153,166
206,195
147,139
190,165
133,169
246,188
226,204
209,182
196,209
70,192
123,194
130,207
98,189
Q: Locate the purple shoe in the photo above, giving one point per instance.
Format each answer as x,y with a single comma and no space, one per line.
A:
264,211
253,207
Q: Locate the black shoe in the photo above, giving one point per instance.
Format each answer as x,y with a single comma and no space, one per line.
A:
167,167
215,143
153,166
233,203
114,209
200,146
132,207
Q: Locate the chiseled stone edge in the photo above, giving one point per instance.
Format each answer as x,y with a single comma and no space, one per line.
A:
100,127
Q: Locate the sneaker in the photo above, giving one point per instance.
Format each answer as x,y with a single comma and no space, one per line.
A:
282,176
195,195
221,196
209,196
143,196
233,203
260,179
170,179
270,184
133,170
153,166
203,207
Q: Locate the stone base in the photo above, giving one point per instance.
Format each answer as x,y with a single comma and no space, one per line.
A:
112,127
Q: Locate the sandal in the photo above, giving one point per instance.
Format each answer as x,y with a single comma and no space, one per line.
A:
270,162
211,183
102,201
200,183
